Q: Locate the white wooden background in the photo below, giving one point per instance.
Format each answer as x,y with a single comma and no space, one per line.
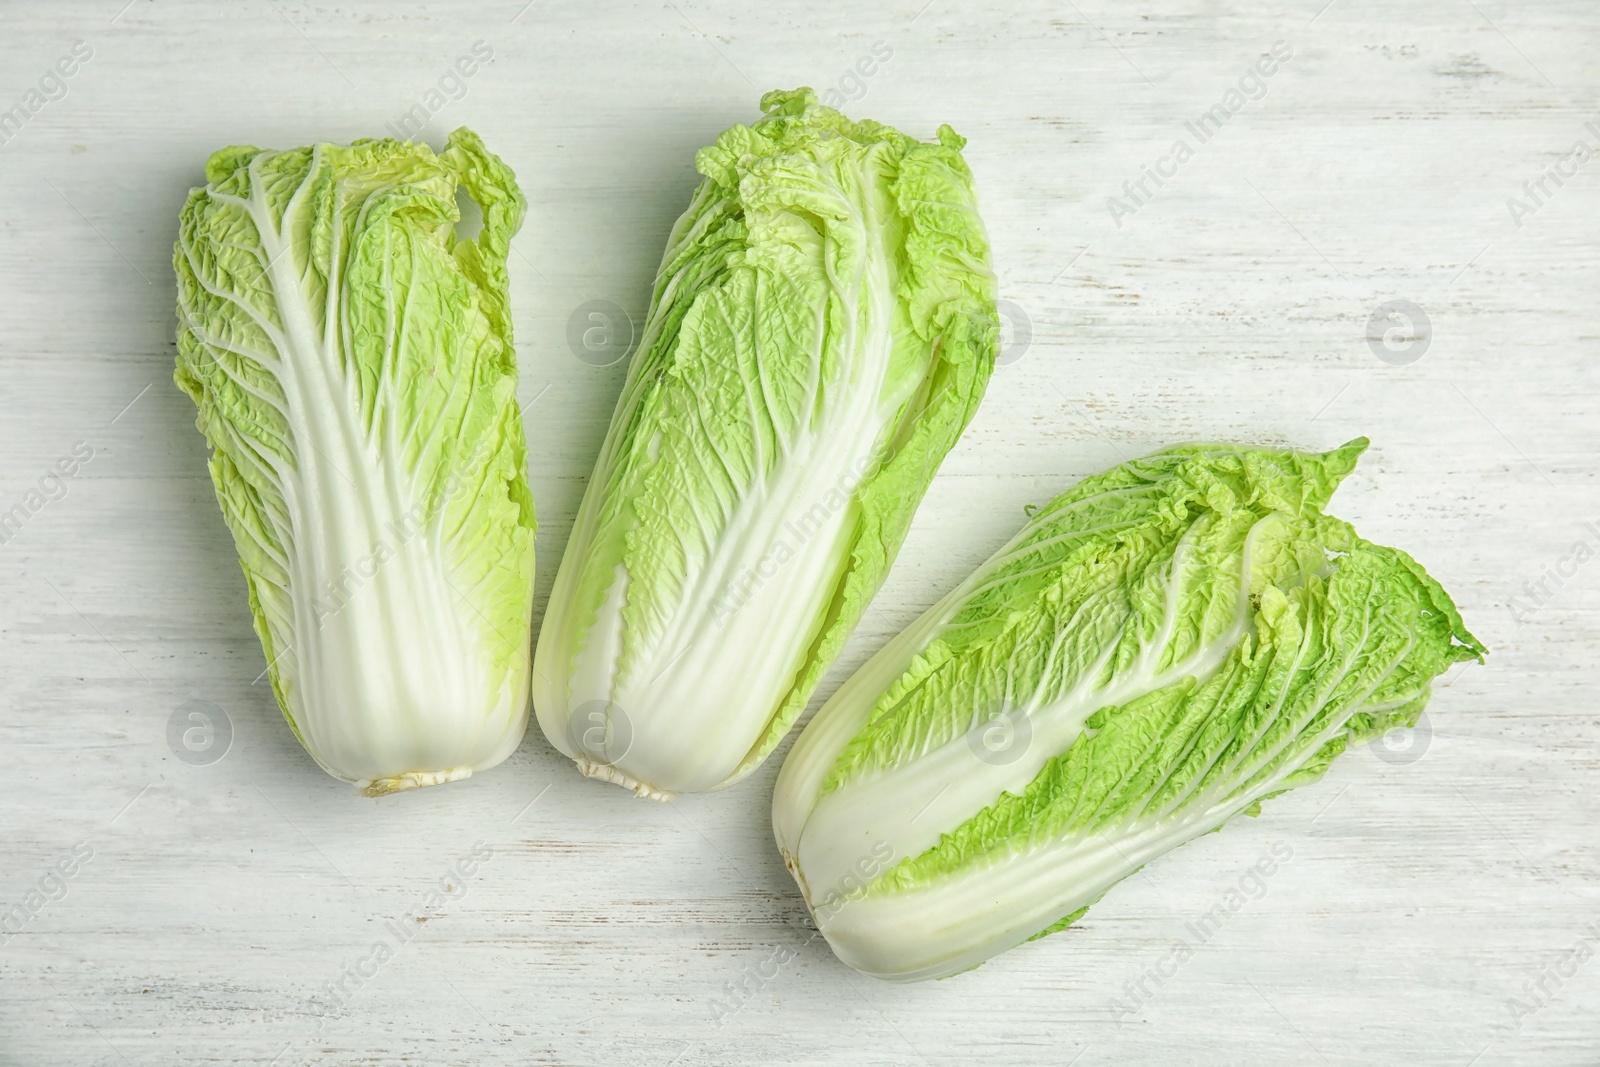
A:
1426,892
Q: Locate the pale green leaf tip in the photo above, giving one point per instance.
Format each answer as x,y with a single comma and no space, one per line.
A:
224,161
788,102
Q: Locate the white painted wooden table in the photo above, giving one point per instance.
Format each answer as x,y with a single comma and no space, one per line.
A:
1427,893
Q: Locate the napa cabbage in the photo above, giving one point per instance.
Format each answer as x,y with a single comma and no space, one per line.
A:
821,330
350,355
1162,647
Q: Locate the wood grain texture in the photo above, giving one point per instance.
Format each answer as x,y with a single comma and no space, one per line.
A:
1421,896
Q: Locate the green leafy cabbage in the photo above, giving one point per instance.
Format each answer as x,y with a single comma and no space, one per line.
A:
822,328
351,359
1162,647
